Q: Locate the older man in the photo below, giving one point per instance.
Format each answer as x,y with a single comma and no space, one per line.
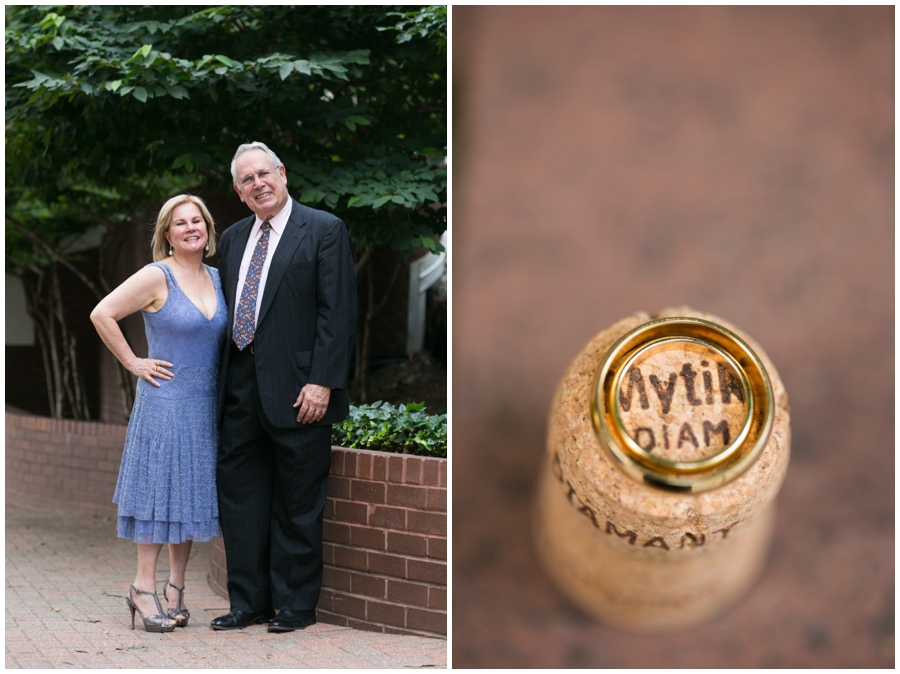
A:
288,277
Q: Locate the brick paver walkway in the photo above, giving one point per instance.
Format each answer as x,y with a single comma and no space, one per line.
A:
66,579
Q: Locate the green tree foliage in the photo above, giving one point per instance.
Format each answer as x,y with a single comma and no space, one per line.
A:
428,22
115,98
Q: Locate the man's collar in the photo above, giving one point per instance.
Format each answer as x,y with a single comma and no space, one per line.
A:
279,221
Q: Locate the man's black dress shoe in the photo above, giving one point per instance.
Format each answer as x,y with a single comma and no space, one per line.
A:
288,621
239,619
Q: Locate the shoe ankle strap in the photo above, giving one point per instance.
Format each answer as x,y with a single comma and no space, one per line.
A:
152,594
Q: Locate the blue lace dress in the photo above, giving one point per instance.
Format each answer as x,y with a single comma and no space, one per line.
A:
166,490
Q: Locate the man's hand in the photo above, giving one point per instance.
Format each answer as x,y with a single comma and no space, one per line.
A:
312,403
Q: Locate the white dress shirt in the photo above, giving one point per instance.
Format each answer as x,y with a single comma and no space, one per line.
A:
278,223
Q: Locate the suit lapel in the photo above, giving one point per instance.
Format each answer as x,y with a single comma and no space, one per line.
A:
294,232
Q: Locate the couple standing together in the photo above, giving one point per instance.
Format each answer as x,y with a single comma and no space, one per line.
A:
247,371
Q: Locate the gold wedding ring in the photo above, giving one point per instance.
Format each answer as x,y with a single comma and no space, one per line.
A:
682,404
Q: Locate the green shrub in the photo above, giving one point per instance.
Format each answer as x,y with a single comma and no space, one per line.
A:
404,430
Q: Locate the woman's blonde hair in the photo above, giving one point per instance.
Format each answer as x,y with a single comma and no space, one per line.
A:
159,245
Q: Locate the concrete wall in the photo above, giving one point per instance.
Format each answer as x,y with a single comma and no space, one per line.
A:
19,327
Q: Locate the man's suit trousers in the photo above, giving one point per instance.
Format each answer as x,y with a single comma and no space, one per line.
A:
272,484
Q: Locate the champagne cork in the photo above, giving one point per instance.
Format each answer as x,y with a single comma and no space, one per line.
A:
668,441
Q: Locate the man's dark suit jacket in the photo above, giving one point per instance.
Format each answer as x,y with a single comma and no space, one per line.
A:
307,317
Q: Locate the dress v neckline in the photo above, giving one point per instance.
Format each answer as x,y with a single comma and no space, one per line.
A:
187,297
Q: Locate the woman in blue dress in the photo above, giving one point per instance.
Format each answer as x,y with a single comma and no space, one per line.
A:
166,492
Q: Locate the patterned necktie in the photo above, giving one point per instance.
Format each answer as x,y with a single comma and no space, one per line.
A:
245,316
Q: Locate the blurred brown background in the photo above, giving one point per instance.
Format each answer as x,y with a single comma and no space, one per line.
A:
740,161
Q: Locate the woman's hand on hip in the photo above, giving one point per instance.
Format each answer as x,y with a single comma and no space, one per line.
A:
148,368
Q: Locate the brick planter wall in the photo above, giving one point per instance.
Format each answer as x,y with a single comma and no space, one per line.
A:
61,465
385,544
385,518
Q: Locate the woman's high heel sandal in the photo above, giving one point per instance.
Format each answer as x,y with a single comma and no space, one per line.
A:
154,623
179,609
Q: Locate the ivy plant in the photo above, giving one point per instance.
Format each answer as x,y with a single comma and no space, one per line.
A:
407,429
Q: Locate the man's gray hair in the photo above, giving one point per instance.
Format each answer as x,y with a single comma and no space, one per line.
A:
255,145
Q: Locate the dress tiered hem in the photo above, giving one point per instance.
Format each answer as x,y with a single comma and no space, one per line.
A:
148,531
